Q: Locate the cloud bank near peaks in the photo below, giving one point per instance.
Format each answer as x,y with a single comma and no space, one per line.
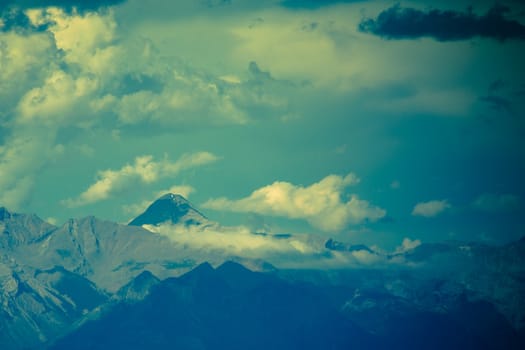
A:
320,204
215,242
144,170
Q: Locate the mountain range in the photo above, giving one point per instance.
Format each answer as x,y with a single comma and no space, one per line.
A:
99,285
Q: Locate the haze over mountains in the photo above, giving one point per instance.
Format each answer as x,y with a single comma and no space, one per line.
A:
97,284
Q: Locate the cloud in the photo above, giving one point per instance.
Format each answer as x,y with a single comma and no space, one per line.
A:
431,208
406,245
20,156
143,170
397,22
292,251
496,202
320,203
395,185
26,16
312,4
64,4
79,72
238,240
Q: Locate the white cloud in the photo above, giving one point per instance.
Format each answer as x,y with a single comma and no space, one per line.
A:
431,208
143,170
183,190
407,244
53,103
73,76
320,203
365,257
237,241
85,39
25,61
21,155
296,251
219,243
395,185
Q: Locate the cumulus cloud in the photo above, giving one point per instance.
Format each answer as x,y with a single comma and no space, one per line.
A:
78,71
431,208
496,202
144,170
320,203
397,22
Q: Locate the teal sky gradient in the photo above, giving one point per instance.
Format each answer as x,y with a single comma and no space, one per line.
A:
272,92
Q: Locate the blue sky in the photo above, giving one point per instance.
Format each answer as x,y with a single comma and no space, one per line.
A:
369,121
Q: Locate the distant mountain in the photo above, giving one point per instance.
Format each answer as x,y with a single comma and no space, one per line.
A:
38,306
219,309
232,307
102,284
107,253
19,229
139,287
170,208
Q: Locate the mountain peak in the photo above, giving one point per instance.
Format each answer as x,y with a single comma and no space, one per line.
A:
176,198
171,208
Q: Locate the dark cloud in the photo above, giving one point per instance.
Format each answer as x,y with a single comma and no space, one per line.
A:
80,5
13,17
497,103
312,4
494,98
16,19
397,22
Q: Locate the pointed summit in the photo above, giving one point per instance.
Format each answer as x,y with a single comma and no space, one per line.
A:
171,208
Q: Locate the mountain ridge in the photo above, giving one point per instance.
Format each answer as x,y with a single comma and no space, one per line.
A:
82,269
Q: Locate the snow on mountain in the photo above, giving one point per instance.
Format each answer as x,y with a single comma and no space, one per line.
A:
170,208
107,253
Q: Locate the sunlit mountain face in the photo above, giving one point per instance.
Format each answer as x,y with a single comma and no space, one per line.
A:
245,174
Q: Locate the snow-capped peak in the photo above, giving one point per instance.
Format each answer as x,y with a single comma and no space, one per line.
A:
171,208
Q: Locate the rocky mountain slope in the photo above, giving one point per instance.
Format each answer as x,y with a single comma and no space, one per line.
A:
90,278
233,308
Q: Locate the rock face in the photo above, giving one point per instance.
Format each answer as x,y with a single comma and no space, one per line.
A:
138,288
19,229
170,208
52,277
38,306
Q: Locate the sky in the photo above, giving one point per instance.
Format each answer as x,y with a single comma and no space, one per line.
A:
366,121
